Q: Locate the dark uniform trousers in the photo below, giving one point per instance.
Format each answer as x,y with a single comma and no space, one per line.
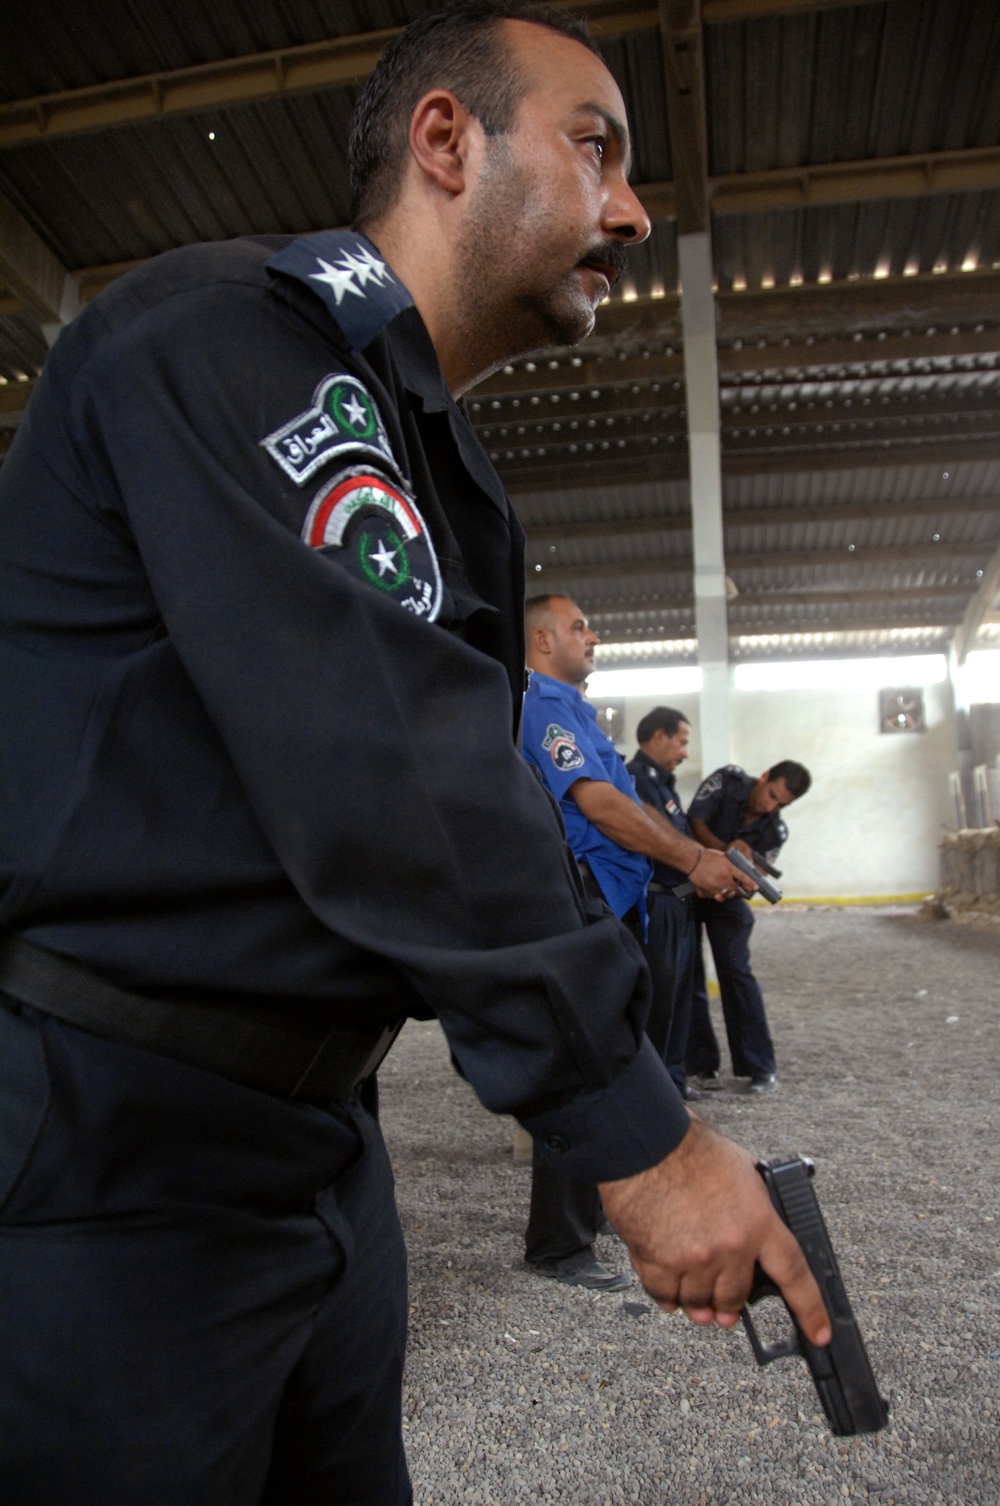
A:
565,1214
670,955
273,1375
728,926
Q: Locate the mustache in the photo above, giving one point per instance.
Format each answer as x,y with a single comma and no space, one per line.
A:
613,254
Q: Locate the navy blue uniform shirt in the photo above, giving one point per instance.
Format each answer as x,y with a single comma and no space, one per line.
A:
658,787
720,802
261,654
563,741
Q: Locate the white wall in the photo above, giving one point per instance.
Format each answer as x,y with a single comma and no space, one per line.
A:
871,823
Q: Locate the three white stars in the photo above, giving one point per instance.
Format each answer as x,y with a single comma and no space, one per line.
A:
385,559
340,275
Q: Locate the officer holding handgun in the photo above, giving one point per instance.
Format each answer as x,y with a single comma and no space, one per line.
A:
663,735
731,808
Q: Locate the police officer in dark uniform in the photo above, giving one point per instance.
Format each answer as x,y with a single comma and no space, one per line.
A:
663,736
732,808
254,559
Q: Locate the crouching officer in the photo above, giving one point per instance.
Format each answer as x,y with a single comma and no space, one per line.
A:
732,808
663,736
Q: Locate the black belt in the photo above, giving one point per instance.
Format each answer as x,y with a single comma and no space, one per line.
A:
679,891
276,1053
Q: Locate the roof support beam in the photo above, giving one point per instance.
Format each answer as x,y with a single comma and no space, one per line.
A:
977,611
294,70
768,517
917,177
834,355
624,469
681,37
777,559
34,274
609,606
737,632
680,33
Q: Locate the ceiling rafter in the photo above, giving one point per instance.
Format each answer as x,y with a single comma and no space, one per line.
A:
633,417
42,284
293,70
683,602
606,469
832,355
936,623
768,517
979,608
776,559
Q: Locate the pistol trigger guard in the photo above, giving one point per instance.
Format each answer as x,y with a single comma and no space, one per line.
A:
765,1353
762,1287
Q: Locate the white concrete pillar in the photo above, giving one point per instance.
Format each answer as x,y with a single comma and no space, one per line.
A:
701,377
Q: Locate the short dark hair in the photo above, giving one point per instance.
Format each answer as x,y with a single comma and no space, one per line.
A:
660,719
536,607
796,776
458,49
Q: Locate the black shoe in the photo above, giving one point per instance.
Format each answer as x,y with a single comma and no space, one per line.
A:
582,1269
765,1083
709,1082
690,1094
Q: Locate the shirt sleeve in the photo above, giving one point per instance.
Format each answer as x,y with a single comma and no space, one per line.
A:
708,799
452,870
557,741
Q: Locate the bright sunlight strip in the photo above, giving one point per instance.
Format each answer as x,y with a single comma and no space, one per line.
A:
851,674
605,683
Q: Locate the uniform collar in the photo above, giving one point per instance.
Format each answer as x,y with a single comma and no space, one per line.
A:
665,776
556,690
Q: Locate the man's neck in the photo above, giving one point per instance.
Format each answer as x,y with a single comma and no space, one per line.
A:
539,669
423,267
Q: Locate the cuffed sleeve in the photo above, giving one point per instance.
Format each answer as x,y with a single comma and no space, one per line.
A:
620,1130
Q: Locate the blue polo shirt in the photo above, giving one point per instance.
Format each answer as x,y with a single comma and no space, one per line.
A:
564,742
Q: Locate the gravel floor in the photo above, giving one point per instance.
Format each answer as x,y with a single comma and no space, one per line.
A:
521,1390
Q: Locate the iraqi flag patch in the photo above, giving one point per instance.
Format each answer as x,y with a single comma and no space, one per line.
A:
377,534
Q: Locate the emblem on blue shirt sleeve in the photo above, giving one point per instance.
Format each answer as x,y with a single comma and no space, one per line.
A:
561,745
379,537
343,420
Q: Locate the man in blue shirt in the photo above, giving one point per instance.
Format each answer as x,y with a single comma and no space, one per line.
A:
663,735
731,808
615,840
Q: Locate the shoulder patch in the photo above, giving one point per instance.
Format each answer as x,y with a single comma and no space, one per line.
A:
343,420
360,291
374,529
562,747
710,785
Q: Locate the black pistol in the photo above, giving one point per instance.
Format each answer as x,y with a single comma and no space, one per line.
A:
841,1372
770,891
760,861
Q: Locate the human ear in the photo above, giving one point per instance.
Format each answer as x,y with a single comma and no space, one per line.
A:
438,139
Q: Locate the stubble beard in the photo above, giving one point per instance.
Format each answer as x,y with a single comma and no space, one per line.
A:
502,303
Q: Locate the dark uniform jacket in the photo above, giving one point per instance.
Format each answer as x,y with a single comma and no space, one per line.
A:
261,658
658,788
720,802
